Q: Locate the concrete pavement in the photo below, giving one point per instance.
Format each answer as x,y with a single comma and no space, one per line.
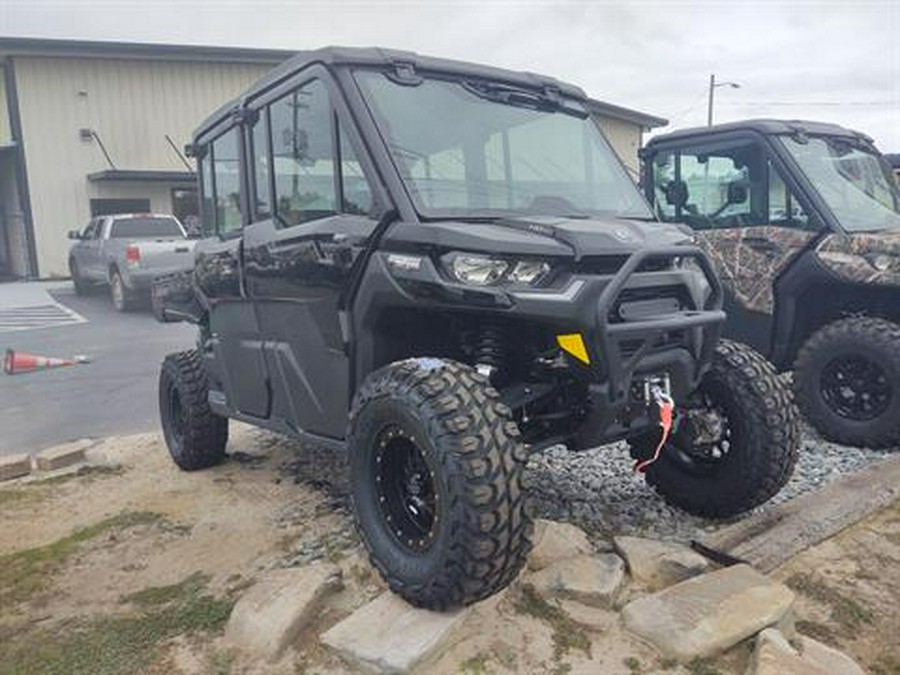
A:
115,394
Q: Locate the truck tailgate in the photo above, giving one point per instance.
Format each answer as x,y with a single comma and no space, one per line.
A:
161,254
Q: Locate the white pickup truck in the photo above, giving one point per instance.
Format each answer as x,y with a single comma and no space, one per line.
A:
126,251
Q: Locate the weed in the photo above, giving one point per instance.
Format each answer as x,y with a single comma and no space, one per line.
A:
567,633
477,665
668,663
700,666
24,573
847,612
817,631
115,645
18,497
886,664
221,663
632,663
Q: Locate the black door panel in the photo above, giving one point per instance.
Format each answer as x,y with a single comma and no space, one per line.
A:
296,277
233,326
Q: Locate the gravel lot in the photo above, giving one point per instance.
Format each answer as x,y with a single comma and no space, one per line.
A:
598,490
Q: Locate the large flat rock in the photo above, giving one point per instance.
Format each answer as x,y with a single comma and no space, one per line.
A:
591,580
708,614
273,612
14,466
61,456
657,564
388,635
556,541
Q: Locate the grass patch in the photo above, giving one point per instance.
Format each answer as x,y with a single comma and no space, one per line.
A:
24,573
567,633
701,666
161,595
117,645
632,663
847,612
886,664
12,497
477,665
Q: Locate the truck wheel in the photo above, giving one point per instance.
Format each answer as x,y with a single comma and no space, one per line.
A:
437,464
82,286
734,445
847,382
122,298
196,436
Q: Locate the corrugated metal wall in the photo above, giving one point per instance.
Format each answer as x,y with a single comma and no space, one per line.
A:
131,105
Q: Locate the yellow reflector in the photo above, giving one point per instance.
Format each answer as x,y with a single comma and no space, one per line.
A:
574,345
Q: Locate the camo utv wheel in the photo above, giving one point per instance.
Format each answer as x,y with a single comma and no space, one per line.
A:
847,382
734,445
436,465
196,437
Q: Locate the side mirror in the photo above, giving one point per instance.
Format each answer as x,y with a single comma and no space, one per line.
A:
74,234
676,193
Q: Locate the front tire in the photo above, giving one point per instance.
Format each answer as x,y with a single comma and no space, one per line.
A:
847,382
196,437
82,286
736,444
437,467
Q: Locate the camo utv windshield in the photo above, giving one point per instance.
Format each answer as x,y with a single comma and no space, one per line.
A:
853,181
483,149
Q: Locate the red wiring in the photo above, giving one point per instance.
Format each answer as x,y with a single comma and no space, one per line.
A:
666,407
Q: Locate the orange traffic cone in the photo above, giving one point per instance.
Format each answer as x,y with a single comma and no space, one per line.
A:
23,362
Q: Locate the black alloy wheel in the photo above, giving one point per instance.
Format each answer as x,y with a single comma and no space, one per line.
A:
856,387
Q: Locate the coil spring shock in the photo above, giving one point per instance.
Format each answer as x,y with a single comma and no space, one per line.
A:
489,349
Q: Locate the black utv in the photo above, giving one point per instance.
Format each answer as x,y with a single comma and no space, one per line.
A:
441,267
802,220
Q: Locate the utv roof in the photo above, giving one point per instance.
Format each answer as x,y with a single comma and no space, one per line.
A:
377,57
762,126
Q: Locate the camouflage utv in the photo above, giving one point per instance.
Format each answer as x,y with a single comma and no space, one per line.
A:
802,220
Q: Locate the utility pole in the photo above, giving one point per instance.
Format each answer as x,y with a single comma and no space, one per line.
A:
712,89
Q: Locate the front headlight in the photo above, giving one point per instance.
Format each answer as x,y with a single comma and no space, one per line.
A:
482,270
477,270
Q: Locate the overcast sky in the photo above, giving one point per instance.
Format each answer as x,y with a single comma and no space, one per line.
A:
831,61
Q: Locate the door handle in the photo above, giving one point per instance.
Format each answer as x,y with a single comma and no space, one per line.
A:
760,243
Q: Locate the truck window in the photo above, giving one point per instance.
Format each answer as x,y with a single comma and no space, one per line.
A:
226,182
357,195
144,227
784,209
303,155
207,205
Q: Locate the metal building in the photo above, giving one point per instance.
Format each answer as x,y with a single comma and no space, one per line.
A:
90,128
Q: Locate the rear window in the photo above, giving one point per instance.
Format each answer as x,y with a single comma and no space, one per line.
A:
147,227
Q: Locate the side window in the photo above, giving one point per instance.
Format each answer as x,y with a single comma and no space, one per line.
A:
99,224
303,155
665,193
354,186
784,209
227,182
207,205
260,140
89,230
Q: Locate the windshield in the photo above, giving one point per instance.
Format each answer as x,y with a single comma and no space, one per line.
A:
145,228
852,179
475,149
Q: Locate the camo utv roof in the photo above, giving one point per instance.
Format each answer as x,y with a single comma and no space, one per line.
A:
378,57
762,126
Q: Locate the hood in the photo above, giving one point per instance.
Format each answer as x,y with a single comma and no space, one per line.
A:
864,257
542,236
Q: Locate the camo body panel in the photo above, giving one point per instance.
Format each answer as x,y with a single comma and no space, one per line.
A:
848,257
748,273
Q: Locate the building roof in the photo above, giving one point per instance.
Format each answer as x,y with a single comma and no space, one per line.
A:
291,61
18,46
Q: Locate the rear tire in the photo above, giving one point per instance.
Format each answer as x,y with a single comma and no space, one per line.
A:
196,437
122,299
437,467
756,450
847,382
